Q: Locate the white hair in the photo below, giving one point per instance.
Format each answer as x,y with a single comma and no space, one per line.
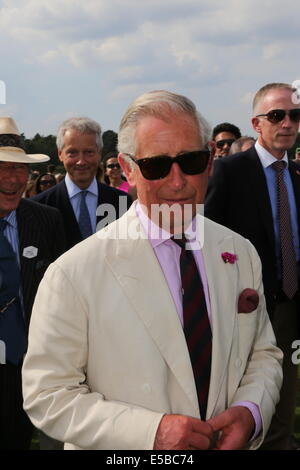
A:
161,104
84,125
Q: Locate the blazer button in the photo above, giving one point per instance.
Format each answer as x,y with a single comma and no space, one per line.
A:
146,388
238,363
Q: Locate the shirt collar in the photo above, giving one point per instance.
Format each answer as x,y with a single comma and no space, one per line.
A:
266,158
73,189
157,235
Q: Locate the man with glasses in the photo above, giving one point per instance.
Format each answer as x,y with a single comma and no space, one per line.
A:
257,194
31,237
143,346
224,135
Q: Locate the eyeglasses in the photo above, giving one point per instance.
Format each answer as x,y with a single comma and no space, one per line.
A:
220,144
18,168
158,167
113,165
277,115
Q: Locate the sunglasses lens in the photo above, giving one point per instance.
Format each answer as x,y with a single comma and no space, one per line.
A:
191,163
295,115
113,165
276,115
155,168
220,144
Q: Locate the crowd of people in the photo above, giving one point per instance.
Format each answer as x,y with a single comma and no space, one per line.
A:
129,317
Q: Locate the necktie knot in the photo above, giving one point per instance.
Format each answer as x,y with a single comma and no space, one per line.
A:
181,242
279,165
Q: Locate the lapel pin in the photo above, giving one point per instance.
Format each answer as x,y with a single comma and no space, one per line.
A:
30,252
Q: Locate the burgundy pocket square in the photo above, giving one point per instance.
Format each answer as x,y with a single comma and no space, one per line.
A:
248,301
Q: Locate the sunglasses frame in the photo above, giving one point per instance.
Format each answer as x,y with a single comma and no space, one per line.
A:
224,141
288,112
113,165
168,161
47,182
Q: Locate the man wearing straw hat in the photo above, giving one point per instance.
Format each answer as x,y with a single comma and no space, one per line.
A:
31,237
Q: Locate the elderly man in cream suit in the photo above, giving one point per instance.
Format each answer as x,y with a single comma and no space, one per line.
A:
109,365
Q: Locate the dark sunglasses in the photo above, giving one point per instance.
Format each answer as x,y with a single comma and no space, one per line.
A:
156,168
47,183
220,144
277,115
113,165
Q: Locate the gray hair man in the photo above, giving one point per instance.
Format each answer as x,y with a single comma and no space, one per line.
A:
81,199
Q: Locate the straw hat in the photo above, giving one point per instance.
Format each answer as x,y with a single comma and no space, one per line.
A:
12,145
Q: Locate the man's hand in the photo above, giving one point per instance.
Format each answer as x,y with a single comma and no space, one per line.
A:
236,425
179,432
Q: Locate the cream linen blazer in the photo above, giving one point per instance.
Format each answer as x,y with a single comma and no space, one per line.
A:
107,355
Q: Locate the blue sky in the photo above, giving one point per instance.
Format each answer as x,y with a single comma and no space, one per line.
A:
64,58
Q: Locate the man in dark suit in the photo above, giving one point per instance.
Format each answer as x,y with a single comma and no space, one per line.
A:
257,194
31,237
84,203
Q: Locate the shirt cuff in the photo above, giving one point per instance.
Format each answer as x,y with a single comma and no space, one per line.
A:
254,410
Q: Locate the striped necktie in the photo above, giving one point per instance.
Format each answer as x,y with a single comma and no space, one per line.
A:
288,257
196,324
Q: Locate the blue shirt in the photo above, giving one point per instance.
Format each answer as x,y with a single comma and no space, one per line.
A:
266,159
91,199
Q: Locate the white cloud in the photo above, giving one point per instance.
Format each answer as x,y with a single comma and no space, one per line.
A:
98,51
272,51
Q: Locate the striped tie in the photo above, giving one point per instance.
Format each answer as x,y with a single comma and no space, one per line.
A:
288,257
196,323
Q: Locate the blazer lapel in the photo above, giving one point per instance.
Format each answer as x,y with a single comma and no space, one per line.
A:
257,181
29,236
160,318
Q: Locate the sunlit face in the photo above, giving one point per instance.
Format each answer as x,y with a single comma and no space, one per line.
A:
157,137
113,169
224,151
13,181
80,157
276,138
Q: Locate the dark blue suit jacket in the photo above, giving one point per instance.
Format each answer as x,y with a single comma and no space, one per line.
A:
238,198
58,197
